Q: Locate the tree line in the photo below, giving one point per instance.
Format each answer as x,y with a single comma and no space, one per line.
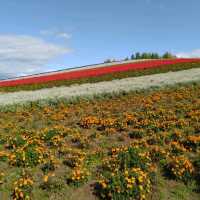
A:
145,55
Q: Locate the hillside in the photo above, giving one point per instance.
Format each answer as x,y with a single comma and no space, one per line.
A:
97,73
90,90
129,146
128,135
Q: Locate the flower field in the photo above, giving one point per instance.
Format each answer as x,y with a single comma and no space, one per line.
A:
91,90
138,145
93,72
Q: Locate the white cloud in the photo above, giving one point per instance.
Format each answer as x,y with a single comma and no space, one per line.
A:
25,54
192,54
58,34
63,35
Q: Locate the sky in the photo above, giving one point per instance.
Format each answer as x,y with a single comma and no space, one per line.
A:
47,35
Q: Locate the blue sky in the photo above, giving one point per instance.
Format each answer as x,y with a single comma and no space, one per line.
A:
37,36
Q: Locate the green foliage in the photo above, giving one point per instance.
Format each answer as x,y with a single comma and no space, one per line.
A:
137,55
49,135
47,167
168,55
149,55
30,157
109,60
15,142
78,176
137,133
131,179
180,168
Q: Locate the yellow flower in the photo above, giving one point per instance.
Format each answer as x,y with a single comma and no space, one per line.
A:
129,185
142,197
140,179
45,179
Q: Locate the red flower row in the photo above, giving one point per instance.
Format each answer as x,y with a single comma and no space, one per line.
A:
83,73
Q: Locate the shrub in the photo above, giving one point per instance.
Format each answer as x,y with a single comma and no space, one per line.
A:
15,142
192,142
22,189
78,176
27,157
49,135
177,148
133,183
48,166
158,154
3,156
180,168
127,174
74,158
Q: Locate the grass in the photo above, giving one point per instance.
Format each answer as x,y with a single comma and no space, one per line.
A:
89,132
108,77
169,189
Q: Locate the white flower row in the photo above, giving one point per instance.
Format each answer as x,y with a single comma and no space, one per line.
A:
91,89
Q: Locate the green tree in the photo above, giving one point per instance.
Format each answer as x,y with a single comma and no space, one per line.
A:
137,55
108,61
144,56
155,56
168,55
133,57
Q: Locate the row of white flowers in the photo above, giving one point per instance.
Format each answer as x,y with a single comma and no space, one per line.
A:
91,89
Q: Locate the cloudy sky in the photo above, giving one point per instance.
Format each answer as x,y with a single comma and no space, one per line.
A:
44,35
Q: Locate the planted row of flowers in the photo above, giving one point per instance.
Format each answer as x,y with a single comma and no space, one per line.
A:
94,72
